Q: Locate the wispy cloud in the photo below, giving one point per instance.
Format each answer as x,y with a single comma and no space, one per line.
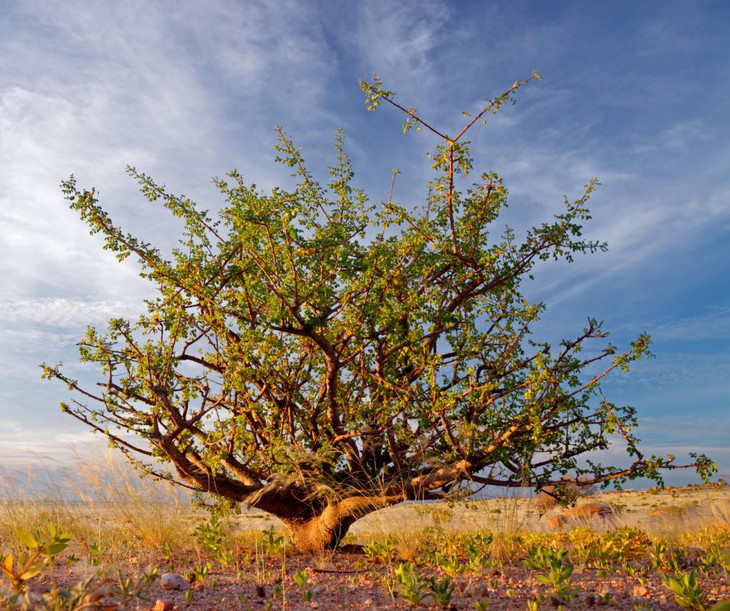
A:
63,312
20,445
400,43
677,137
708,323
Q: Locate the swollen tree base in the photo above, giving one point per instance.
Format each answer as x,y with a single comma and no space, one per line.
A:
321,533
316,529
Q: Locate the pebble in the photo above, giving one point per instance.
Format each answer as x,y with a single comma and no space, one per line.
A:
164,604
173,581
640,591
99,594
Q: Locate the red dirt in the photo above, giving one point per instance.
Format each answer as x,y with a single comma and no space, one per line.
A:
348,580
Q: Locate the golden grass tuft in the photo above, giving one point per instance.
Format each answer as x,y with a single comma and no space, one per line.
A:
109,511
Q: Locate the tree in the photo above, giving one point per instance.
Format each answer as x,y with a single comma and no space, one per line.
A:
318,357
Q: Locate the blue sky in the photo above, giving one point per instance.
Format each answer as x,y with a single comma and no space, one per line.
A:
634,93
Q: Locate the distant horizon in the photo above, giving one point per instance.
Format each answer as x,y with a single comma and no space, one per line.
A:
41,482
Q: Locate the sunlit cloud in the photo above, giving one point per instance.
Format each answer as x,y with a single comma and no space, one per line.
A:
64,312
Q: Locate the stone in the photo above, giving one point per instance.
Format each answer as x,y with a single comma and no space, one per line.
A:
173,581
164,604
99,595
582,512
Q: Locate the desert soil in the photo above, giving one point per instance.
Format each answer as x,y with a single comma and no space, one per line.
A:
349,579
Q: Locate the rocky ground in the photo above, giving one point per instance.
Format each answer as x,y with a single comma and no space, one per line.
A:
348,580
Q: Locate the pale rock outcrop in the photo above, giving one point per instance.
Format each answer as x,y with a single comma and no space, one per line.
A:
173,581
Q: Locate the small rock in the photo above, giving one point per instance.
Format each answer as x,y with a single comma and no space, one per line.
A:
164,604
173,581
98,595
640,591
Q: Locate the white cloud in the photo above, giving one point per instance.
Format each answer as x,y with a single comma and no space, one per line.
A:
21,446
10,427
64,312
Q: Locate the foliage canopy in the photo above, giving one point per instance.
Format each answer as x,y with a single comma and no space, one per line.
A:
319,357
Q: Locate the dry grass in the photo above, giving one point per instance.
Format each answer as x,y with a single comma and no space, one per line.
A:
103,503
106,508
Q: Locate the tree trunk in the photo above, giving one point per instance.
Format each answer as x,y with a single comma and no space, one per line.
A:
318,532
322,532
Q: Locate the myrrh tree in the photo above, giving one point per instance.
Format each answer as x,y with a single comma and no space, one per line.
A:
318,357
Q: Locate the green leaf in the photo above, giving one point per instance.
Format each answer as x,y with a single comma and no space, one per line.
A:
32,572
27,539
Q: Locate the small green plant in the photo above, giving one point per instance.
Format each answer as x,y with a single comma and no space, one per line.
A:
658,555
74,598
380,550
189,596
605,598
556,572
481,605
450,564
411,587
560,580
544,558
19,570
478,552
166,552
441,591
273,543
200,572
210,537
77,597
133,588
716,557
300,578
605,556
227,558
97,550
687,592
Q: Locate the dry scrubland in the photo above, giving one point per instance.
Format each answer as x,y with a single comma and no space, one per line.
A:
657,549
